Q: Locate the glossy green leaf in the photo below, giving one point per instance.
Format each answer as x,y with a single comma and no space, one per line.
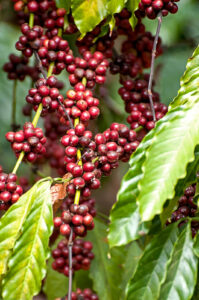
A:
182,270
88,14
27,265
182,184
167,160
125,219
11,224
63,4
108,268
56,284
115,6
189,92
132,5
152,267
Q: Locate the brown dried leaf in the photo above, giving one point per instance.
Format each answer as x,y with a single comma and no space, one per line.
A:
58,192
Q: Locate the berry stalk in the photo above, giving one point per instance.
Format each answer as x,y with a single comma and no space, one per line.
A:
31,20
79,155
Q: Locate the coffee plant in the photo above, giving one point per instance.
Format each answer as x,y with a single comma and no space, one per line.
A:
55,241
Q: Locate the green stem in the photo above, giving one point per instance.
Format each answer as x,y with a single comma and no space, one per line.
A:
31,20
37,115
138,129
14,103
59,32
79,155
19,160
50,69
77,197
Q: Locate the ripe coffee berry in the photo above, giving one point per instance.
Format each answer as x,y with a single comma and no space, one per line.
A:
30,140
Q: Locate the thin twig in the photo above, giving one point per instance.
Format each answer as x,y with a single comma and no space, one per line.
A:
70,257
152,65
39,64
66,113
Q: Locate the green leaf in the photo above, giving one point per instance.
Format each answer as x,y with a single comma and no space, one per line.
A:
82,279
11,224
88,14
27,265
131,256
167,160
125,219
196,245
63,4
56,284
115,6
132,5
189,93
108,267
182,184
182,270
152,267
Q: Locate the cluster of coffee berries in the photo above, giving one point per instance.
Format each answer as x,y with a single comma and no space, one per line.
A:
33,6
81,104
85,200
114,144
10,191
30,140
186,208
30,40
142,42
45,93
18,68
141,115
93,67
135,96
128,65
86,294
80,162
81,256
151,8
55,19
76,217
55,50
136,91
